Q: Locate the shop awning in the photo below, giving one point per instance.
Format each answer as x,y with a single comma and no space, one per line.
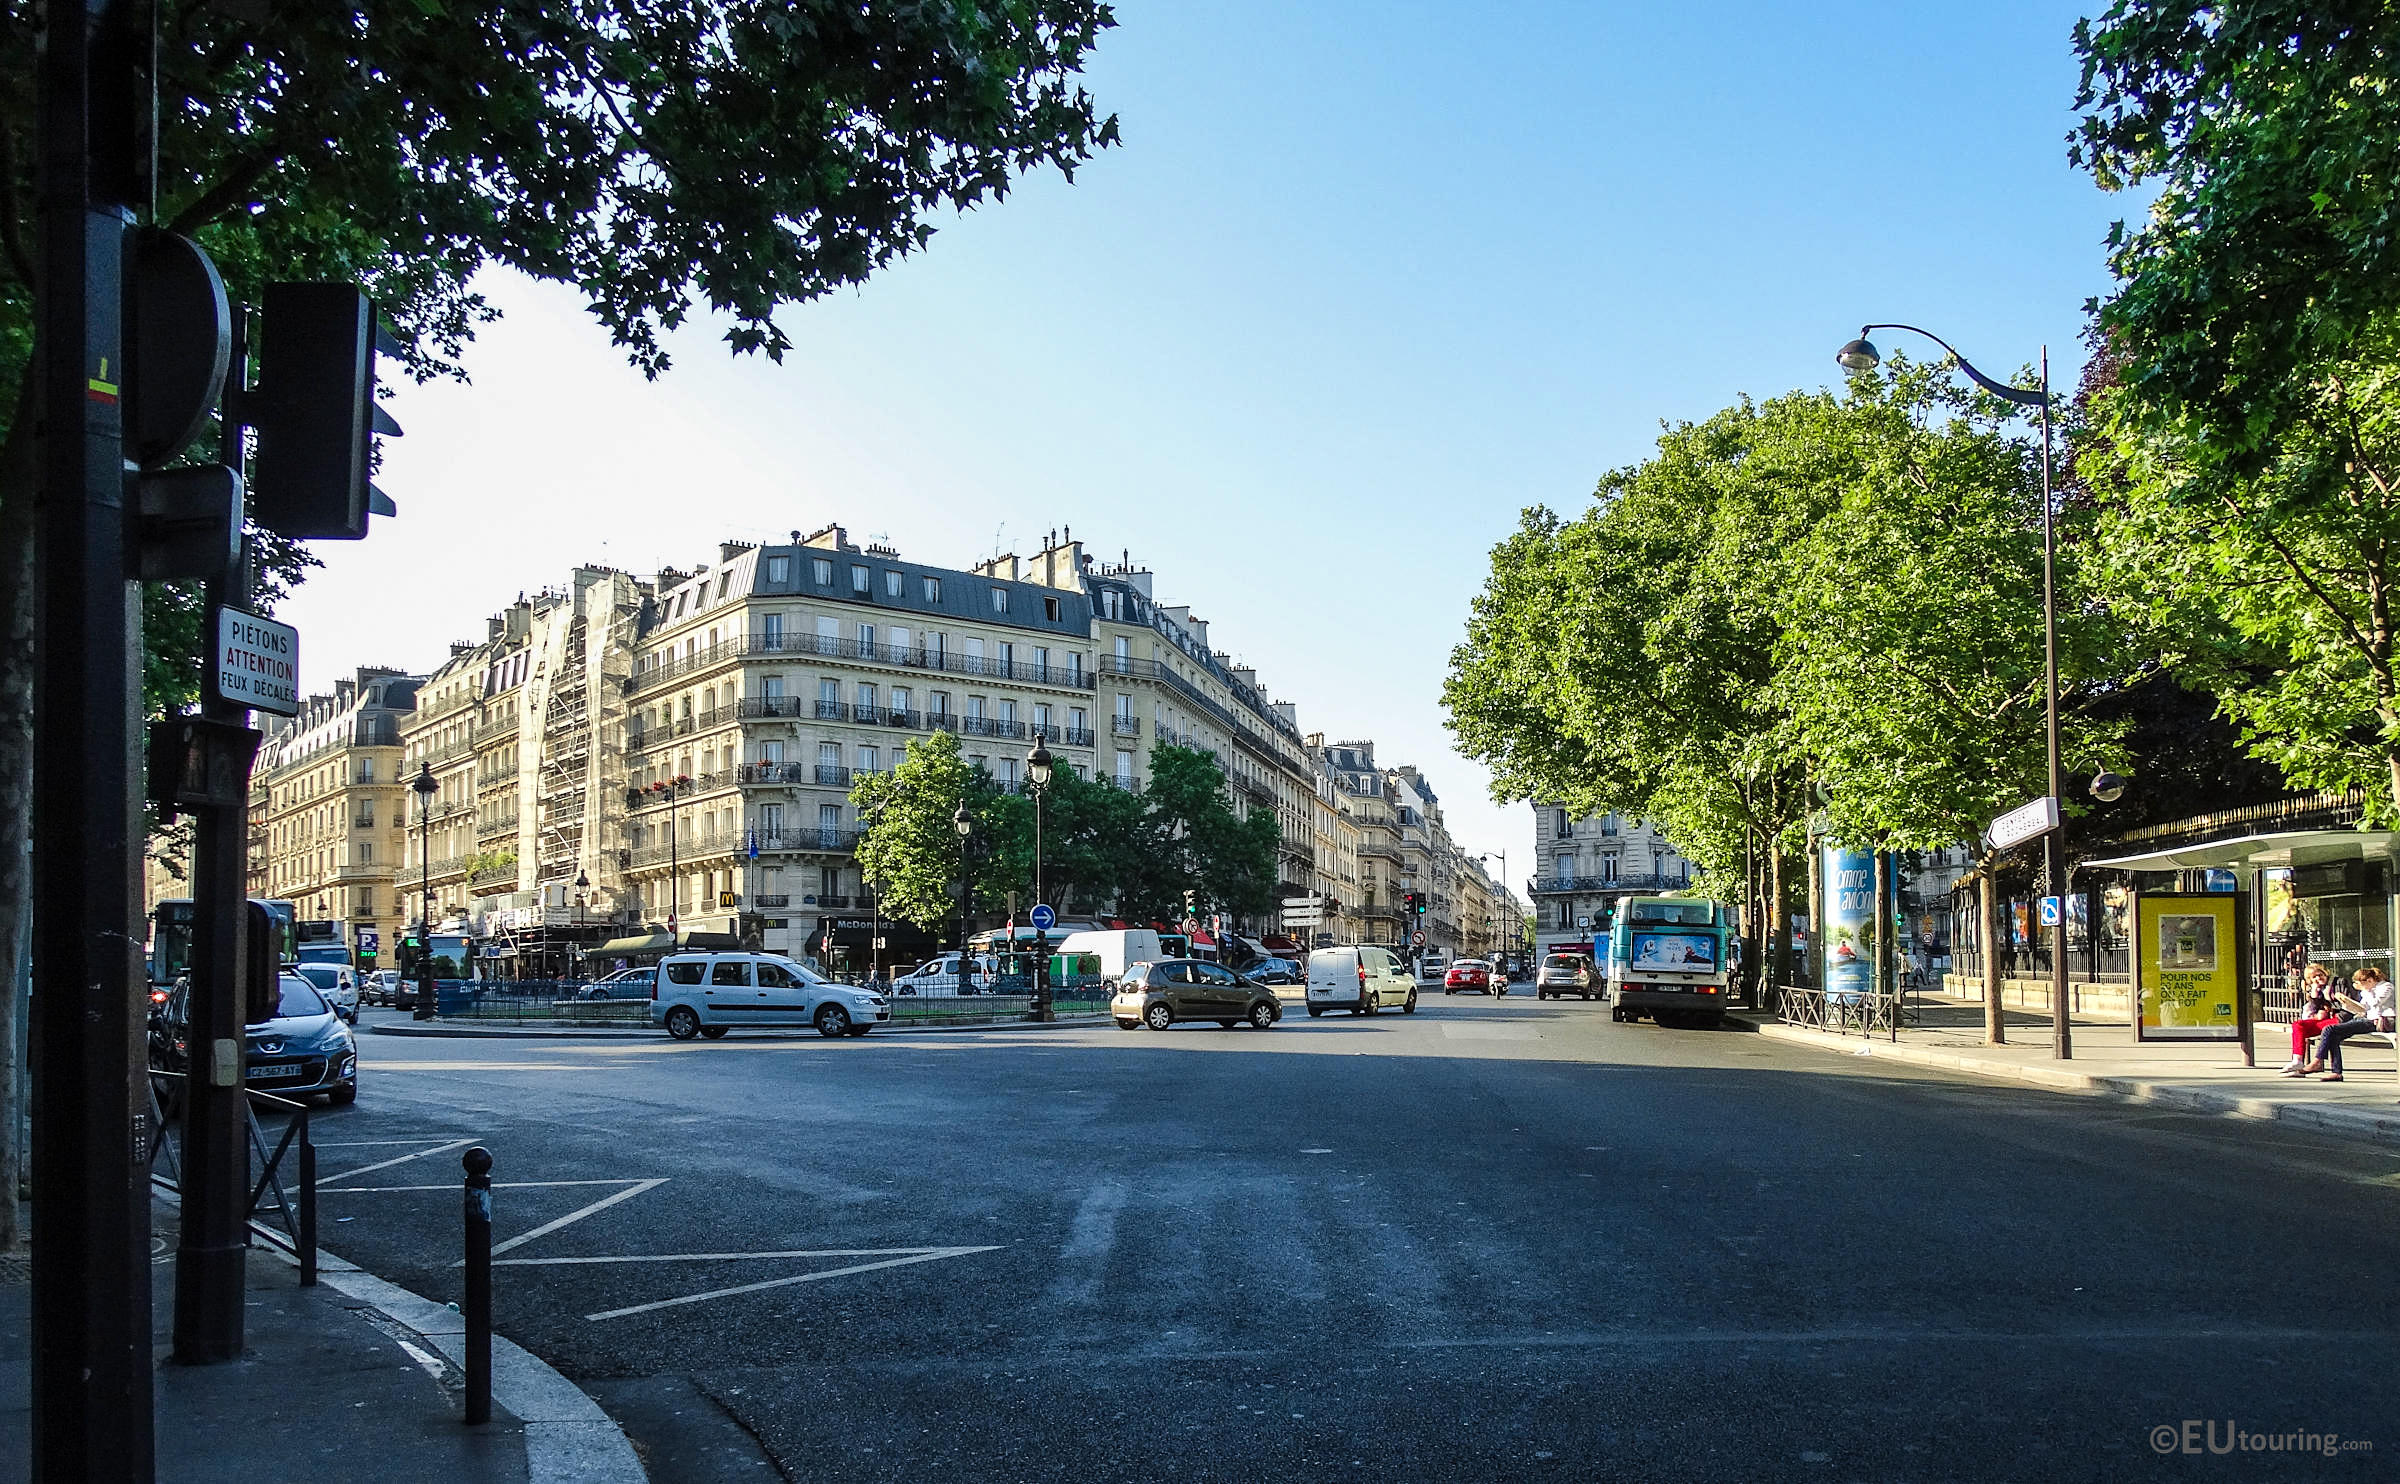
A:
652,943
2283,848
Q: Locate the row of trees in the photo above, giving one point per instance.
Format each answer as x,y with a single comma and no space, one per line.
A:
1826,609
1104,850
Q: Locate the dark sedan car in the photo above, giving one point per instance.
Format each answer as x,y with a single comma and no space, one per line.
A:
1161,992
305,1048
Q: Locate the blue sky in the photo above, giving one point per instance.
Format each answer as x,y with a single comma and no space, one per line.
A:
1363,281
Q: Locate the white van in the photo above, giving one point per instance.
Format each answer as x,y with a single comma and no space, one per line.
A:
940,976
1433,967
708,994
1360,980
1116,948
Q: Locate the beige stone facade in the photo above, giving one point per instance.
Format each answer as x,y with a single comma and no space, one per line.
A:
328,805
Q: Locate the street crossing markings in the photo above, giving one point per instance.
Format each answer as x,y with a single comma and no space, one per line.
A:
595,1208
933,1254
325,1180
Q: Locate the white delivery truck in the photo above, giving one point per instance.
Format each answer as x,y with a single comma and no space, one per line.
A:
1116,948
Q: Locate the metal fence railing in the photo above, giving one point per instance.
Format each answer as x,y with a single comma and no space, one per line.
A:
1844,1011
295,1205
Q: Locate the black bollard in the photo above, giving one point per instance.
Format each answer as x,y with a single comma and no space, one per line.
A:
308,1205
478,1161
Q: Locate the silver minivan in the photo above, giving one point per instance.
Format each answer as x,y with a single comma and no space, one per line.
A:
1360,980
708,994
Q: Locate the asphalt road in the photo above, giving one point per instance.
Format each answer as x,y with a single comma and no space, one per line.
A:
1509,1240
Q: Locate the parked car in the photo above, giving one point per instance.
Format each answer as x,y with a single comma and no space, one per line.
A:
1118,949
1272,970
1474,974
338,983
1433,967
624,984
305,1048
379,987
1361,980
1563,974
940,976
708,994
1159,994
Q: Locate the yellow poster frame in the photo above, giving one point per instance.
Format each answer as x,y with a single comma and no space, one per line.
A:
2211,958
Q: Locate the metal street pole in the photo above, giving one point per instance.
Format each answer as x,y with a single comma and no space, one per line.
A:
424,788
211,1254
1861,356
674,865
92,1136
964,827
2055,844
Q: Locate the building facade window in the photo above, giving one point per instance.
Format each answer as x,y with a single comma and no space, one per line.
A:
933,589
779,569
861,581
822,570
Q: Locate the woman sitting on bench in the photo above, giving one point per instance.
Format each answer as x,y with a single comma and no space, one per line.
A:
2317,1011
2373,1007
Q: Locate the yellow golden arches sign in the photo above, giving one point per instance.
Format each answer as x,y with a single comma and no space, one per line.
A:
2189,968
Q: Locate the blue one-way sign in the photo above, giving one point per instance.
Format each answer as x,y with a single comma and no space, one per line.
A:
1043,918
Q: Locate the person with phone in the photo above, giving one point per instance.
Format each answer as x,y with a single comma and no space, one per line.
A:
2317,1011
2371,1014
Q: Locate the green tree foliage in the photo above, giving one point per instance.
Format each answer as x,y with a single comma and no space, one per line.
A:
1189,837
909,850
1821,591
2254,339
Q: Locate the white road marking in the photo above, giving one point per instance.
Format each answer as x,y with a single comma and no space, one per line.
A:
572,1217
323,1180
548,1262
455,1185
363,1143
935,1255
382,1067
431,1363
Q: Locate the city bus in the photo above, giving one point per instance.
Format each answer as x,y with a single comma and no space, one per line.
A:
170,953
1670,958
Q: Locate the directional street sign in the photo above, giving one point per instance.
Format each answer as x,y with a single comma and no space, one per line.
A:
1043,918
2025,822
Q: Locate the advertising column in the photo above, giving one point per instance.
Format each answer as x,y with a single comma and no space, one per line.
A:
1849,891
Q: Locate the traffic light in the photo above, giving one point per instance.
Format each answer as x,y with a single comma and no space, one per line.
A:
262,965
315,411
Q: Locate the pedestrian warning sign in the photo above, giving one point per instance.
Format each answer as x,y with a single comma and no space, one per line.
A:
257,663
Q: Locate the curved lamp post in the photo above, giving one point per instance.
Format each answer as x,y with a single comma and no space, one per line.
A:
965,828
425,788
1038,767
1859,357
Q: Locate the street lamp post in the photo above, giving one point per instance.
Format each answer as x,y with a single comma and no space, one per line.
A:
425,789
965,828
1038,766
583,884
1860,356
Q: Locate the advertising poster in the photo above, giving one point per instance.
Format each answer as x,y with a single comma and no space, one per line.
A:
1849,877
1675,953
2187,967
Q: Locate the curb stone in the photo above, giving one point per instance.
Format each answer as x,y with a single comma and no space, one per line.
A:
2343,1119
568,1439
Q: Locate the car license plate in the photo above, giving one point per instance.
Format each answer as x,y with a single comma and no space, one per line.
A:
274,1069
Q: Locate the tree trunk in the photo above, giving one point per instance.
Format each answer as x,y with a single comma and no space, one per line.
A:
17,608
1816,915
1987,907
1779,927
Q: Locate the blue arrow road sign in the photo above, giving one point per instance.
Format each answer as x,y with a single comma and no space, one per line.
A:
1043,918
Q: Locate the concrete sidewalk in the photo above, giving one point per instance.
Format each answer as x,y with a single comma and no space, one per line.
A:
352,1379
2203,1077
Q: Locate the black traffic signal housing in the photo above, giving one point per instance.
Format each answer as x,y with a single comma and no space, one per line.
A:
315,412
262,965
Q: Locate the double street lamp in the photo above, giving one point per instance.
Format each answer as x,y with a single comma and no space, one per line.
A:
1859,357
425,788
1038,768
